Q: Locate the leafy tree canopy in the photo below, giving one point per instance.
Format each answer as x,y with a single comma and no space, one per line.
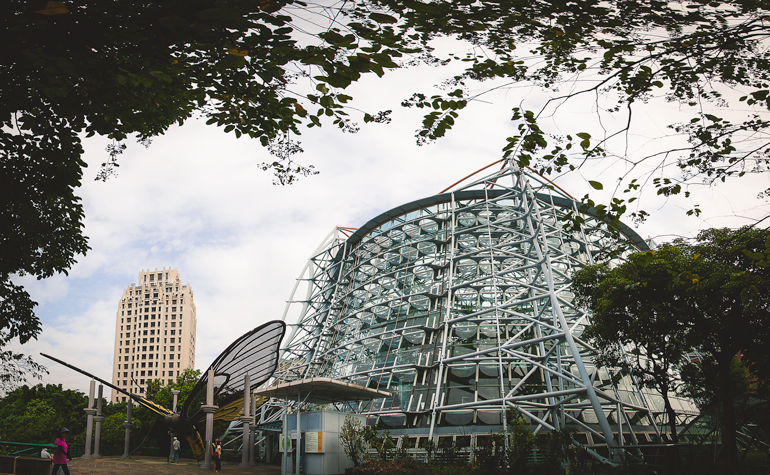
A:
707,296
35,414
161,394
132,69
639,323
710,58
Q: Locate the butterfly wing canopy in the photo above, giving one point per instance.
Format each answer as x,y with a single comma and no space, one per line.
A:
255,353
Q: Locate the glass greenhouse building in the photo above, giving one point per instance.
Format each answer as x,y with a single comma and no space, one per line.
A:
459,305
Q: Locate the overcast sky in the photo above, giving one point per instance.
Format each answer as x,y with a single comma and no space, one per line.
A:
196,201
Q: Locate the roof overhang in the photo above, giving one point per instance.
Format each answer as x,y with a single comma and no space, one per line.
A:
321,391
557,200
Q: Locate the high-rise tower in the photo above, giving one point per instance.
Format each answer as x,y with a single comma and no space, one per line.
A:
154,331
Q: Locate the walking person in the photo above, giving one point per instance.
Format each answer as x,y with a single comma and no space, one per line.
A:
216,454
176,445
61,453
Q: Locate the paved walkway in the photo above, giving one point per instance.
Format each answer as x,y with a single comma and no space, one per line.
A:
157,465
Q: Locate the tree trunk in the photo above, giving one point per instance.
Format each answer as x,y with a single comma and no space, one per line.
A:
669,412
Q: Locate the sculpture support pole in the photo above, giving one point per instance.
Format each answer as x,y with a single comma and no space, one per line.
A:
89,421
245,419
171,434
98,419
252,433
209,409
299,438
128,424
285,442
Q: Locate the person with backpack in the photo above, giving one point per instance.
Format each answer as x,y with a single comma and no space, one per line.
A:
61,453
216,455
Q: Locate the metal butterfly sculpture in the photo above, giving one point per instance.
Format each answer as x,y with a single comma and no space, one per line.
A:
255,353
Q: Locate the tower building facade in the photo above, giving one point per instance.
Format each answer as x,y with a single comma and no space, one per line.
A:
155,329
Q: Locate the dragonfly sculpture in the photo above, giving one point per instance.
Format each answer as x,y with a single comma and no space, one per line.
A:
255,353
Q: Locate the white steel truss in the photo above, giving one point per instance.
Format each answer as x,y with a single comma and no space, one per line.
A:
460,306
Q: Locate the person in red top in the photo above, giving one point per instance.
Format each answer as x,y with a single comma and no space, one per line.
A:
61,453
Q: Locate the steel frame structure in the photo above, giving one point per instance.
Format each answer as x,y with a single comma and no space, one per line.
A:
460,305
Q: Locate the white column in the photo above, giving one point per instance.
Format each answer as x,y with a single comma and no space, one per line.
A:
252,434
90,421
245,419
171,433
128,424
98,419
284,442
209,409
299,437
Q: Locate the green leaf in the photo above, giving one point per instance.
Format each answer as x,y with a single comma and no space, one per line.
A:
382,18
596,185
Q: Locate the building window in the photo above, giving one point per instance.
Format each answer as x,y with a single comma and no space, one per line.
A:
173,324
152,277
